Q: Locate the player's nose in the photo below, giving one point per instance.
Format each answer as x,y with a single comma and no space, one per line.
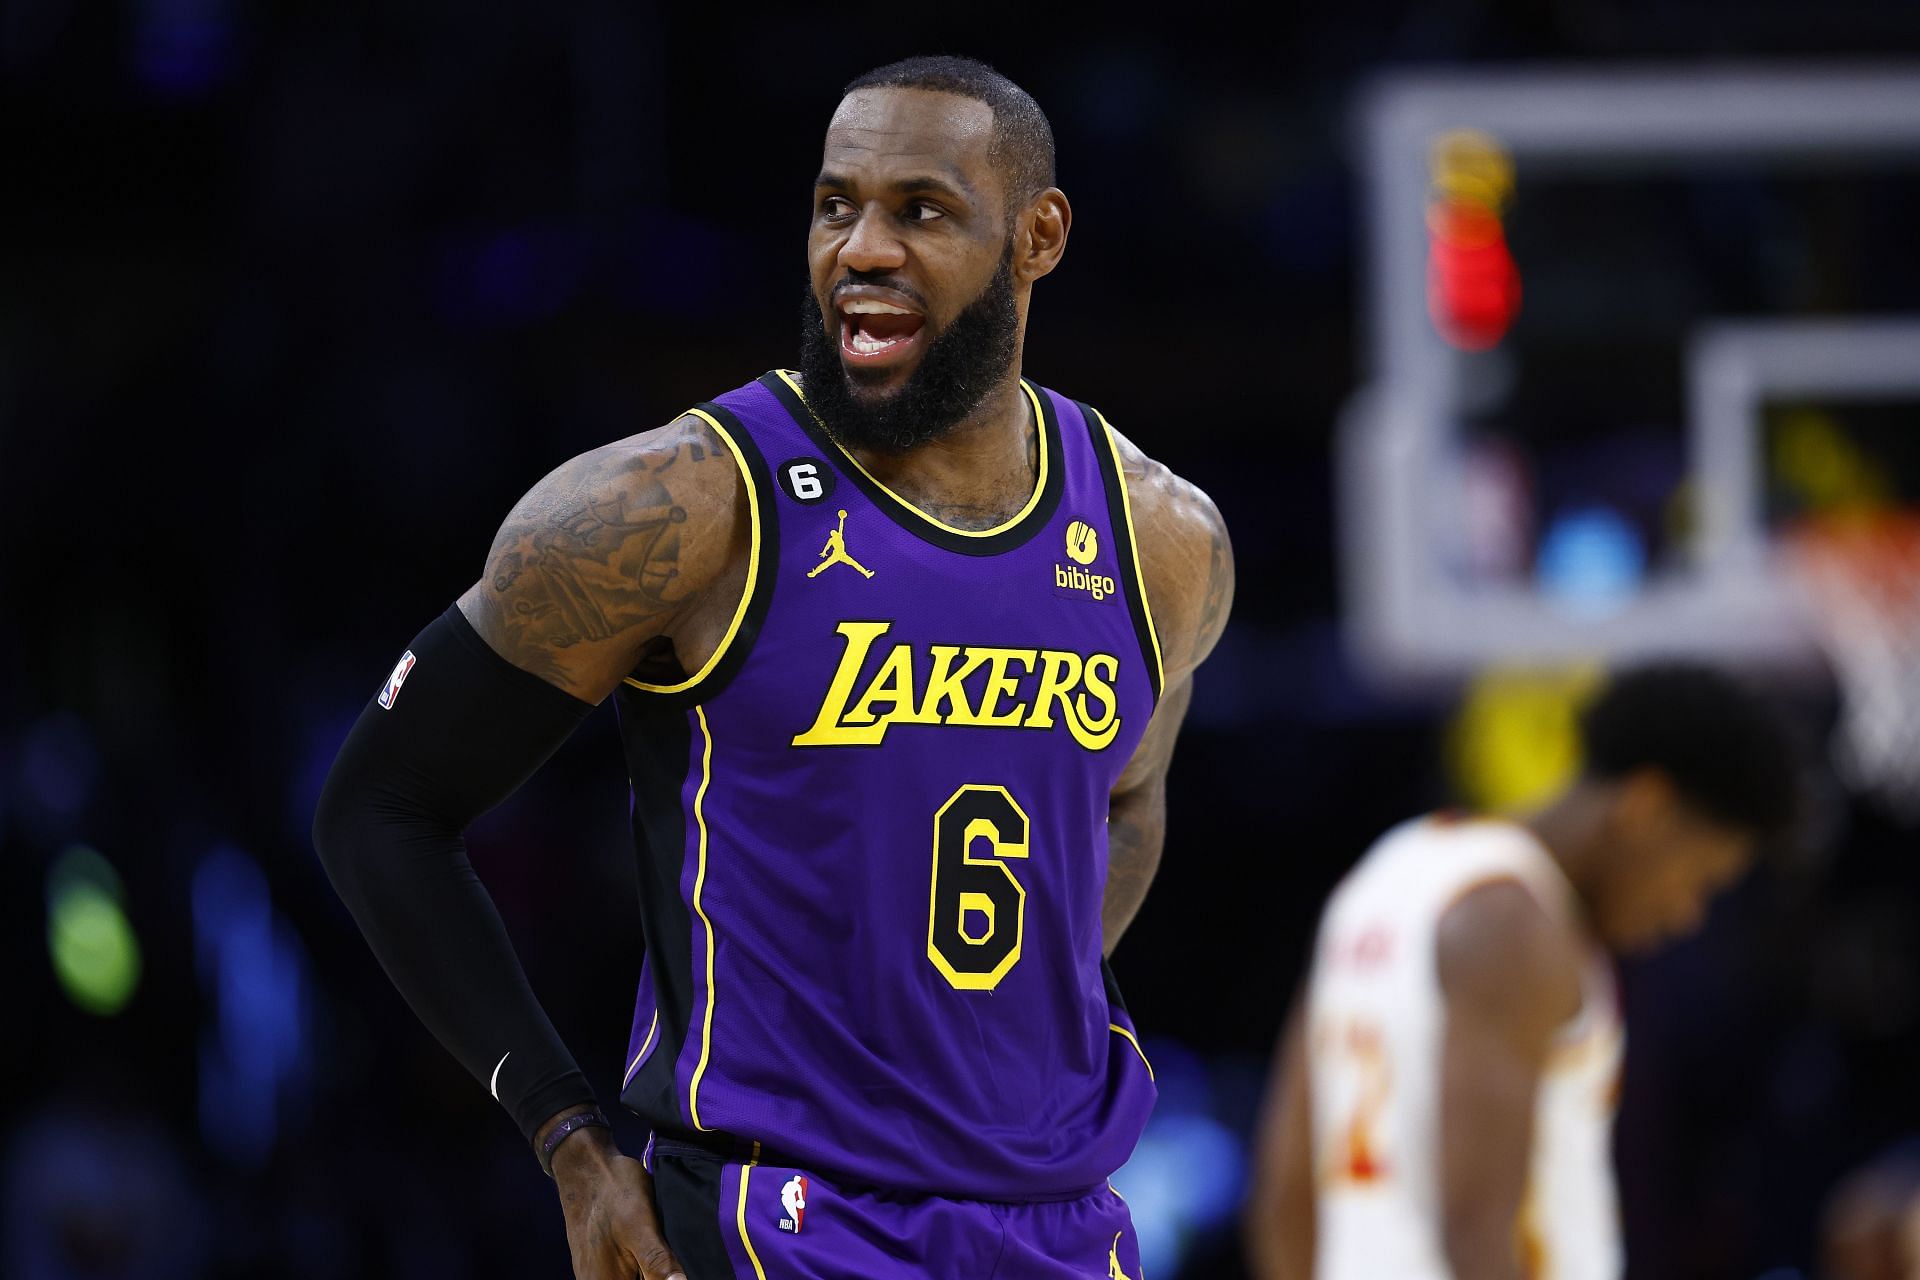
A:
870,246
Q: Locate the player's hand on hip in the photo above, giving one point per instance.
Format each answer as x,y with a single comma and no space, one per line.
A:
613,1226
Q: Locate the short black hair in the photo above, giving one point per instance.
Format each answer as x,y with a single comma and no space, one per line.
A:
1726,749
1022,147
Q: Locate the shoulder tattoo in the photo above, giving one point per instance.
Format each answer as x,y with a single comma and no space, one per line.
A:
595,551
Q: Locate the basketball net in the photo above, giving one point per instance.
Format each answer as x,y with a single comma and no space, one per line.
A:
1859,574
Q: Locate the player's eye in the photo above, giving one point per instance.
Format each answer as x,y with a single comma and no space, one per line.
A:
924,211
833,207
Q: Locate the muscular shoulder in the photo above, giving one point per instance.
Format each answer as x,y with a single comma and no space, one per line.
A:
1185,557
1501,956
604,554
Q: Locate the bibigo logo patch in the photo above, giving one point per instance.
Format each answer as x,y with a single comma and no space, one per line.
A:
1083,544
1083,548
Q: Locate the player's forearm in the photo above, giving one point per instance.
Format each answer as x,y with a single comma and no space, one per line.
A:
1136,832
1137,817
456,737
437,934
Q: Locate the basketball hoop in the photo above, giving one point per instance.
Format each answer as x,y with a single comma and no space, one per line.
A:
1859,574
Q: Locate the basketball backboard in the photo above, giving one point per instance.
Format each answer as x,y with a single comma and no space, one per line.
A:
1755,162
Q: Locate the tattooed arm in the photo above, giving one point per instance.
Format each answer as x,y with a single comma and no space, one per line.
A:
615,555
1187,563
632,552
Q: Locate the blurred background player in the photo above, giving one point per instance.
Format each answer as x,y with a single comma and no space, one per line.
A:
1445,1096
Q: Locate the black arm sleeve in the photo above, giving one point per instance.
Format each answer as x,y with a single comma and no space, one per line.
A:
463,731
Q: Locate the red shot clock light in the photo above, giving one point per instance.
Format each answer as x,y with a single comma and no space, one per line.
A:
1473,285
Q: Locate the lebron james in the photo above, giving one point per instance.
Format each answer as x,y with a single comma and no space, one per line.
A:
899,642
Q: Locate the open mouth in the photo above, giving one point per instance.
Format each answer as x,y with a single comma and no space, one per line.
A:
875,333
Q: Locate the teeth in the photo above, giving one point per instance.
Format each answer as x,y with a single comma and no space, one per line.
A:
864,307
867,346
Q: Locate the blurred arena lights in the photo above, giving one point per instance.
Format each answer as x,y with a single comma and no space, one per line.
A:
253,974
96,956
1591,562
1473,284
1187,1174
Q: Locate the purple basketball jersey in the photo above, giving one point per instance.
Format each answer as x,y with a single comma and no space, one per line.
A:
872,830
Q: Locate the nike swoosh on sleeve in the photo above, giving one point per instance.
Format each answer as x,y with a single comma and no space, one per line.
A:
493,1085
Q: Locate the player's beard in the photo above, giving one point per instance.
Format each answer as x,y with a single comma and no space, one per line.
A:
968,359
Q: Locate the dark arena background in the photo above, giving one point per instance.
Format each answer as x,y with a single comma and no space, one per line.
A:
295,300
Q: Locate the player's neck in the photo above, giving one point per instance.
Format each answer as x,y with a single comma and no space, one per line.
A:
1569,830
984,464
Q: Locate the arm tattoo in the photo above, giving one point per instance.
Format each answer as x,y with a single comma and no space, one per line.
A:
592,553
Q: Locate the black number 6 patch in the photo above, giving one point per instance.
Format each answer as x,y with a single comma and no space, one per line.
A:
806,480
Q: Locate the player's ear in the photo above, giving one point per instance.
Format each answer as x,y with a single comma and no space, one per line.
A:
1040,238
1645,803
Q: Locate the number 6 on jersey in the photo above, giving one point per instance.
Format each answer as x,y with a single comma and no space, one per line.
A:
977,915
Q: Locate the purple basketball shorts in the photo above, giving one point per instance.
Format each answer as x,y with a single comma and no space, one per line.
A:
753,1221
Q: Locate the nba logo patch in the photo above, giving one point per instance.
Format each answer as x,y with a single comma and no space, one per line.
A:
793,1198
394,681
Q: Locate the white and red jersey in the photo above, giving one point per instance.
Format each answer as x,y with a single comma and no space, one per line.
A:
1376,1017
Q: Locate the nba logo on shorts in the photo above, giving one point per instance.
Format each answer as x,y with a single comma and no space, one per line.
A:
793,1198
394,681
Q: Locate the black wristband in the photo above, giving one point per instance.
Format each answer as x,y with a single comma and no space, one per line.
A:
589,1119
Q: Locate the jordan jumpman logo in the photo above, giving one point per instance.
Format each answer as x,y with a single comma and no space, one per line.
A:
835,552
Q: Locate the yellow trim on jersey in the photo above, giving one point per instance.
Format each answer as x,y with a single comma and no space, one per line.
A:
699,883
1139,569
740,1219
753,568
1039,484
1114,1026
644,1046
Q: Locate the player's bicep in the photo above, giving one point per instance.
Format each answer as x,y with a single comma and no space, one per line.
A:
602,556
1186,560
1509,984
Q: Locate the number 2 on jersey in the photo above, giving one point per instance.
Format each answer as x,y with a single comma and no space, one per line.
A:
1364,1076
977,915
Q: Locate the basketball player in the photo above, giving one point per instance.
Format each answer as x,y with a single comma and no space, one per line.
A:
1444,1101
899,642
